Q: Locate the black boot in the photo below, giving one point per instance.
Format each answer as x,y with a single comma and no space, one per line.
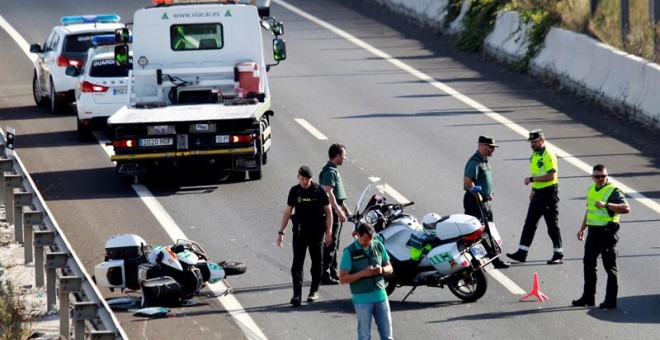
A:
520,256
295,300
583,301
557,258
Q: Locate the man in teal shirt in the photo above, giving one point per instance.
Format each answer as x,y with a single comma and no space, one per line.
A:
363,265
334,187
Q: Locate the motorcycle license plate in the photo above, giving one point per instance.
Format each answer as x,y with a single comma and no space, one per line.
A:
478,251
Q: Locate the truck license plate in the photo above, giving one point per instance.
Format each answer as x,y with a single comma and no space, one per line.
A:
478,251
221,139
156,141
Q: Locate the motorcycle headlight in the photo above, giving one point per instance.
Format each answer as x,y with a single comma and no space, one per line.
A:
372,217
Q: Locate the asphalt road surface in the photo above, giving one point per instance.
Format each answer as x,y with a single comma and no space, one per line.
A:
409,109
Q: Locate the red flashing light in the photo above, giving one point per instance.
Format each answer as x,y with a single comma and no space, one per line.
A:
124,143
89,87
241,139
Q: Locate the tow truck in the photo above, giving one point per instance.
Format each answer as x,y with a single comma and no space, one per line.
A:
198,89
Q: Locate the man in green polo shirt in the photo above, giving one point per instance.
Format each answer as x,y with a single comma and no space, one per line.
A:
363,265
331,181
478,172
605,202
543,199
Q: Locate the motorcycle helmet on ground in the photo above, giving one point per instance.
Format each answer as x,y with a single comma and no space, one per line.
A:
429,222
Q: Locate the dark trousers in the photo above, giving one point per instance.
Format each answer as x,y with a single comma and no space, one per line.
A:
330,251
471,206
601,241
545,202
300,245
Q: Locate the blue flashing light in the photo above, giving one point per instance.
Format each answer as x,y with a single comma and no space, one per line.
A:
87,19
107,39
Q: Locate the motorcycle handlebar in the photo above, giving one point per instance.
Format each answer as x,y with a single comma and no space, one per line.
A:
407,204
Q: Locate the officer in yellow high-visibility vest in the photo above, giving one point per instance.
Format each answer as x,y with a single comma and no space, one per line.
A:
543,199
604,204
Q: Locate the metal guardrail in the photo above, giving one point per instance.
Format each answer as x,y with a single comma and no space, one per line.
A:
36,228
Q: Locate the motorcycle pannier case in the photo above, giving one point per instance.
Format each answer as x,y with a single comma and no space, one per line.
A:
162,291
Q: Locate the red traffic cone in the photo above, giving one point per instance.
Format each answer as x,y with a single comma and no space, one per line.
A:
536,290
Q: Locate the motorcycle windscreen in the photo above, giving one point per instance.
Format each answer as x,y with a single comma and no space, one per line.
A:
446,259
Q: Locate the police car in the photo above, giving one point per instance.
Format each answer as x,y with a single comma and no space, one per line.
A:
66,45
101,86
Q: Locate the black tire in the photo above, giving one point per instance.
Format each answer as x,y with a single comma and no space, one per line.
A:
37,92
233,268
54,102
84,132
471,287
255,175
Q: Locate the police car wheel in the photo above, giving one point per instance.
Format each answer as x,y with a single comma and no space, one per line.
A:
37,94
54,102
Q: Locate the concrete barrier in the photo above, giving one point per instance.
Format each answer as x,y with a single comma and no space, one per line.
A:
456,26
626,83
430,13
579,69
508,40
649,105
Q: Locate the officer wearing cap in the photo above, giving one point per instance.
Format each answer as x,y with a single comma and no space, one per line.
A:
478,172
543,199
308,208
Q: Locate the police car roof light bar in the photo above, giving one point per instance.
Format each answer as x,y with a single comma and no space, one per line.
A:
167,2
108,39
87,19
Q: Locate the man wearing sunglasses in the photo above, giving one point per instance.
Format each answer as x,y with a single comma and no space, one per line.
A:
605,203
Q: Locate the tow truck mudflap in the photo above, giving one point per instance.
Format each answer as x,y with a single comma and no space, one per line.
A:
250,151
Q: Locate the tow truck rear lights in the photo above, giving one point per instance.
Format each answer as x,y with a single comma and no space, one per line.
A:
124,143
241,139
87,87
87,19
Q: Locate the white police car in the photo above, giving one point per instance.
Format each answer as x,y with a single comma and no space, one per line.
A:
66,45
100,90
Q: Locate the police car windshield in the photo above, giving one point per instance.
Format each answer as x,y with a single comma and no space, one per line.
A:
81,42
106,68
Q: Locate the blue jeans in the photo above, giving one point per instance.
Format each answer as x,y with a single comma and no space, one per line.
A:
380,311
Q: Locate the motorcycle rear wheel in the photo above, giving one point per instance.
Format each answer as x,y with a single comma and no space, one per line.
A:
233,268
470,288
390,284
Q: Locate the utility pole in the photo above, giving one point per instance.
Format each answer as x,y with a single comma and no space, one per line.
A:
594,6
654,10
625,20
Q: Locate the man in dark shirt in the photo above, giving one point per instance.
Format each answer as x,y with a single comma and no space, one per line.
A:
308,207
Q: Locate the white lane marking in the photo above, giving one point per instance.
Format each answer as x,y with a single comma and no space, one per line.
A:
25,47
311,129
386,188
506,282
229,301
634,194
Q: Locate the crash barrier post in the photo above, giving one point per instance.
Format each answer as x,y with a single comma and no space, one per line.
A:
12,181
55,260
42,238
82,311
68,285
14,176
23,199
30,219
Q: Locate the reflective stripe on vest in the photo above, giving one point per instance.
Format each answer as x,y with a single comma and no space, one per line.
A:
361,260
537,168
599,217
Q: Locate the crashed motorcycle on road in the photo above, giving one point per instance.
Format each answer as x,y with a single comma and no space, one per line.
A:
455,254
166,275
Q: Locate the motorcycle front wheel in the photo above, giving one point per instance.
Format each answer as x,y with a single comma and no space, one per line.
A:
471,287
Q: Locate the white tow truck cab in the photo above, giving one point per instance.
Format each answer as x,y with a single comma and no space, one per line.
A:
198,90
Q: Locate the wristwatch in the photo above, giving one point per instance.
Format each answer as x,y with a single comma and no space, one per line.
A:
531,179
280,232
607,205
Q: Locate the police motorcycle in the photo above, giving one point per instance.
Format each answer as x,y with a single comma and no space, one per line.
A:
453,254
166,275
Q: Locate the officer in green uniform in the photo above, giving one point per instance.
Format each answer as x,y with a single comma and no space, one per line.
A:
604,204
331,181
363,265
478,172
544,199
